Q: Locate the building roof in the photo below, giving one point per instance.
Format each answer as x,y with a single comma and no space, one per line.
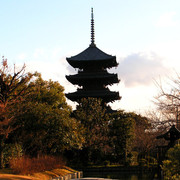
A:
92,55
105,77
172,134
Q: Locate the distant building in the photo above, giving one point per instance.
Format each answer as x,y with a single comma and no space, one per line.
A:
93,77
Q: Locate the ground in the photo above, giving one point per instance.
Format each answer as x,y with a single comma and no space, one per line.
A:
46,175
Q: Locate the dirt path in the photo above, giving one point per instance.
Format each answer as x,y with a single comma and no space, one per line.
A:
15,177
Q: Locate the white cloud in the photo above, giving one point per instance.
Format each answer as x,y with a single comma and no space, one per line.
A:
141,69
137,99
167,20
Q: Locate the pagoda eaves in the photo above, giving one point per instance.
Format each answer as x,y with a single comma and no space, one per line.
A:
81,78
106,96
90,56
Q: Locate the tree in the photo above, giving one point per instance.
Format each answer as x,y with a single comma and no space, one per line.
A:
168,102
108,136
95,121
144,136
122,134
44,122
13,86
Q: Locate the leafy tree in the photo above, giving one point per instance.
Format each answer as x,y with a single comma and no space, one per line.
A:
122,133
144,136
45,125
13,86
108,136
95,121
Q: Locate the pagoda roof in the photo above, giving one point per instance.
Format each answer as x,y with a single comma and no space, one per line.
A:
107,78
172,134
92,55
107,96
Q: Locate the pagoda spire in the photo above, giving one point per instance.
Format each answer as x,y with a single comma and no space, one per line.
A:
92,29
93,78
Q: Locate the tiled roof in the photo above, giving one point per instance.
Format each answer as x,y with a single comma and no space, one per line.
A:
95,77
107,96
92,53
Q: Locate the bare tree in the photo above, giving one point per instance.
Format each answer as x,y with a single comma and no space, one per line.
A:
168,101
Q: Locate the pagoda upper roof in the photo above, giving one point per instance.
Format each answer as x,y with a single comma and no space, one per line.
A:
92,55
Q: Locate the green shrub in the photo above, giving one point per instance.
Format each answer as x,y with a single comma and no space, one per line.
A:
171,166
148,161
151,161
11,151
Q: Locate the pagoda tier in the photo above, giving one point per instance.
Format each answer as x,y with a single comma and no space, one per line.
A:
105,95
99,77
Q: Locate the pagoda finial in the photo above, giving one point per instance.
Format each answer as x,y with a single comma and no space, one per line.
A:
92,29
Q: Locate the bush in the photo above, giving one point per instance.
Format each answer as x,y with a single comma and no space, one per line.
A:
11,151
148,161
26,165
171,166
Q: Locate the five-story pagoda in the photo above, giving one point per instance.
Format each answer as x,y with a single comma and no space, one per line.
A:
93,77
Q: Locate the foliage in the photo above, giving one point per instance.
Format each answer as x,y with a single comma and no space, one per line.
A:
26,165
145,135
45,125
94,119
122,133
171,166
34,113
11,151
147,161
92,115
13,86
108,136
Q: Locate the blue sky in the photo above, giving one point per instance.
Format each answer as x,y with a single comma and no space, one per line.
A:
144,36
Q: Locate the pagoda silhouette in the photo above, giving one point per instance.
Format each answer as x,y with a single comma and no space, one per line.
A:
93,77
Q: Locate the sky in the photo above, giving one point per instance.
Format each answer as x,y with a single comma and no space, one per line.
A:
143,35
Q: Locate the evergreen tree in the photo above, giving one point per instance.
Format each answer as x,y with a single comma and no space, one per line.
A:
44,123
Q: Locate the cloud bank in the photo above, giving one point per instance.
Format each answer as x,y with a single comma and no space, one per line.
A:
141,69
